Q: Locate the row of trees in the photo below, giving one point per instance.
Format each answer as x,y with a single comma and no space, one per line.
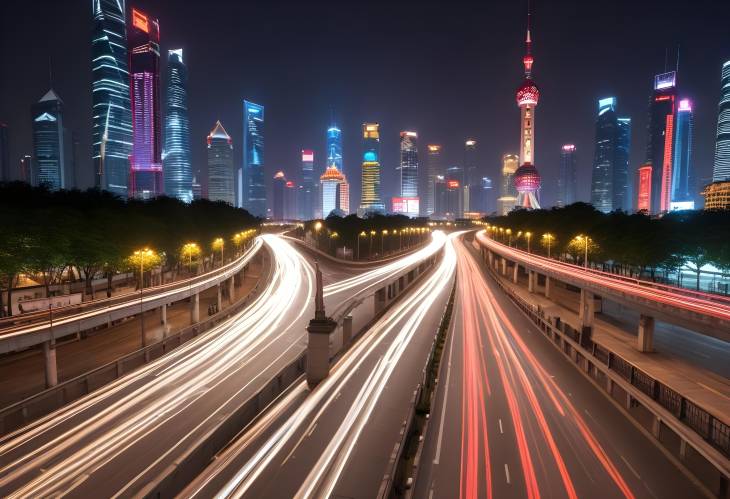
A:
86,234
631,244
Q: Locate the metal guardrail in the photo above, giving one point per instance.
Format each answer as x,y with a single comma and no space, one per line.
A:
665,404
31,408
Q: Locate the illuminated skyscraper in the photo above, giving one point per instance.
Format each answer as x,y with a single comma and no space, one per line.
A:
643,188
610,188
279,203
370,199
178,169
507,192
433,169
721,169
308,205
684,188
251,184
621,177
567,181
53,156
111,112
527,179
660,139
335,192
334,147
145,179
220,165
408,164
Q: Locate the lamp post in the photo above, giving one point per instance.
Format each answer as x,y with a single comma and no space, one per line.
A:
317,228
509,235
585,240
362,234
142,254
382,240
370,251
549,240
528,235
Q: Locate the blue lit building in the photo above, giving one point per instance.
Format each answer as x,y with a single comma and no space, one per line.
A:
721,168
610,189
334,147
251,183
408,165
52,145
177,163
622,197
111,112
683,180
567,181
308,189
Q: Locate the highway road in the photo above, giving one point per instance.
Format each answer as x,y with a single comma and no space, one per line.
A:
336,440
513,418
117,439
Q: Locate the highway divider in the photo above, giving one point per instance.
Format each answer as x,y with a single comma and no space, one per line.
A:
696,439
402,469
17,415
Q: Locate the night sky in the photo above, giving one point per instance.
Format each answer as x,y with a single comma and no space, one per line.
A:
447,70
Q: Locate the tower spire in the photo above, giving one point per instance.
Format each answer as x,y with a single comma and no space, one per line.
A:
528,60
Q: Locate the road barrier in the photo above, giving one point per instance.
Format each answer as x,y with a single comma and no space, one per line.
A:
402,468
36,406
698,439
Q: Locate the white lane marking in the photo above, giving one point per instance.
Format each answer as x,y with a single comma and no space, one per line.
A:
446,397
631,467
506,472
500,427
312,430
430,494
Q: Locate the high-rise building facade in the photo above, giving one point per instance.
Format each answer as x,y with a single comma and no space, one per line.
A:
610,189
433,169
279,197
335,192
334,147
567,179
408,164
370,199
527,179
717,194
52,145
660,139
507,194
111,112
251,183
684,187
221,185
643,188
145,174
621,198
308,205
177,162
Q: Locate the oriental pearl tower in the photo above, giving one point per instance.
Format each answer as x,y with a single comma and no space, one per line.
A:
526,178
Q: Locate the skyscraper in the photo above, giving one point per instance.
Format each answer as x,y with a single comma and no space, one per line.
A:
145,179
717,194
251,184
610,188
433,169
370,200
279,188
220,165
721,168
472,192
507,193
111,112
53,165
643,188
335,192
660,139
334,147
25,173
567,181
409,172
308,191
683,181
527,179
621,177
178,169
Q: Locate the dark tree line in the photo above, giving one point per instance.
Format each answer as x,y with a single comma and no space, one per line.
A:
631,244
86,234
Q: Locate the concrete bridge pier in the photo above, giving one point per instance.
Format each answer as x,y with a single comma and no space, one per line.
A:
547,286
531,278
163,314
515,273
219,297
504,266
586,314
231,290
49,357
646,333
195,308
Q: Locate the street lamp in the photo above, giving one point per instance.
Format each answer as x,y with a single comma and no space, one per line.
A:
141,255
548,238
188,251
334,235
317,229
528,235
382,240
509,234
585,240
370,251
362,234
218,244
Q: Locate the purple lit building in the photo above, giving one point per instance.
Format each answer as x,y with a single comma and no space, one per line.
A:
145,174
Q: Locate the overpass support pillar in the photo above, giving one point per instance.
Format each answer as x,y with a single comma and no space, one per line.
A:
195,308
231,290
380,299
346,330
586,315
531,278
49,356
646,333
219,297
504,266
547,286
515,271
163,314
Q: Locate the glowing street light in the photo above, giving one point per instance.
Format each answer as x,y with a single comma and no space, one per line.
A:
143,256
218,244
189,250
585,240
528,235
509,234
361,235
548,241
382,239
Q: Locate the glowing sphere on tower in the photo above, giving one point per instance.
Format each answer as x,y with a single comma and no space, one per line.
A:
527,179
528,93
